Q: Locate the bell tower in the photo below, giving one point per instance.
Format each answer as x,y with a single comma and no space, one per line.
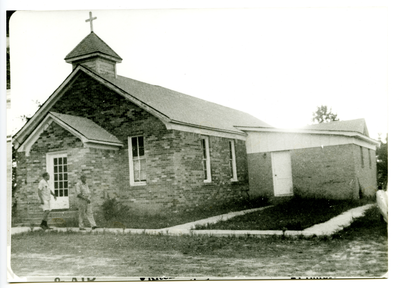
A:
94,53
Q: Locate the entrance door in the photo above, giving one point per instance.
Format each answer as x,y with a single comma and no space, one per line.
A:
57,168
282,173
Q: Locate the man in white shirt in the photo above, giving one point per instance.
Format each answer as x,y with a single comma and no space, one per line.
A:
44,194
84,205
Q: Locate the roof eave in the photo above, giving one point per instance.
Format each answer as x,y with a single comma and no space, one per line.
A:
26,145
204,130
105,143
23,133
32,123
50,118
312,131
94,54
208,128
83,137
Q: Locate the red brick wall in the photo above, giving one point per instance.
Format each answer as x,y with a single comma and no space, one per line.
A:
175,174
174,167
30,168
327,172
190,178
366,174
334,171
260,174
330,172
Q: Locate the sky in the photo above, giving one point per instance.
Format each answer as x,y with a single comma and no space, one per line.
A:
277,64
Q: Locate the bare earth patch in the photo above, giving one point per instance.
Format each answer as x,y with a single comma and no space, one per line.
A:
358,251
342,258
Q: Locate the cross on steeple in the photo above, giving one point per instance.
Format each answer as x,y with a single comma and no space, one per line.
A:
91,19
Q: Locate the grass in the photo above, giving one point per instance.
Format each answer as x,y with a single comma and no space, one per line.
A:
371,225
357,251
296,214
117,215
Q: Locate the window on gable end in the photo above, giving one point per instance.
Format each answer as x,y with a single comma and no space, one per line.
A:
205,146
232,160
137,161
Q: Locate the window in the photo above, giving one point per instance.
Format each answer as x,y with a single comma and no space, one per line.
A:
60,174
370,158
232,160
205,146
137,161
362,157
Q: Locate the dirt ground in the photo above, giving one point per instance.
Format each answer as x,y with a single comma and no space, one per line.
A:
303,258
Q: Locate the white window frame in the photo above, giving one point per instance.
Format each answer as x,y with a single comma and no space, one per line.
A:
232,160
362,157
62,201
131,167
208,159
370,158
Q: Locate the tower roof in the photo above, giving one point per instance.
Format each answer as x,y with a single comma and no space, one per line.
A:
92,45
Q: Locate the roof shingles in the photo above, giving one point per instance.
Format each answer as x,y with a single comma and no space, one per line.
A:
89,45
87,128
185,109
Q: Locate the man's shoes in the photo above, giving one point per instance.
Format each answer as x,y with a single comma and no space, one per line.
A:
82,229
94,227
43,225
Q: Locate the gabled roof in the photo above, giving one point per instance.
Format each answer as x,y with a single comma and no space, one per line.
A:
87,128
92,44
185,109
357,125
91,134
176,110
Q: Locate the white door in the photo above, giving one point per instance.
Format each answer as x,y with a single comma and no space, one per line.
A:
282,173
57,167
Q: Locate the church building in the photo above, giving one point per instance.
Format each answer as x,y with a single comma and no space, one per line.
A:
160,150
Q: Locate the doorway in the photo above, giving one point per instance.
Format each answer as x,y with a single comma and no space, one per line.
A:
57,167
282,173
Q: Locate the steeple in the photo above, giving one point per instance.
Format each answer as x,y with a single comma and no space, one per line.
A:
95,54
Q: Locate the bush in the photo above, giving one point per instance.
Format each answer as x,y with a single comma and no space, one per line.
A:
112,209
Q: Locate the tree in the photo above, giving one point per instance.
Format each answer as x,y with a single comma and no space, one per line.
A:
322,115
14,184
9,14
382,163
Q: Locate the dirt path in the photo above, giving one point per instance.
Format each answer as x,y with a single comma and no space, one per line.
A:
356,258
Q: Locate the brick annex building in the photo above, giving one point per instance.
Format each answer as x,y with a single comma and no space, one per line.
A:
156,149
